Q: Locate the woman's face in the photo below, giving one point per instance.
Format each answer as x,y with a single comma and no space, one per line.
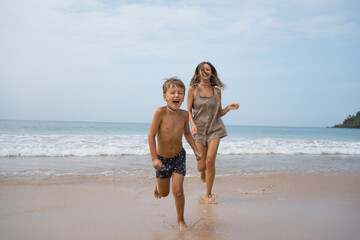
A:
205,72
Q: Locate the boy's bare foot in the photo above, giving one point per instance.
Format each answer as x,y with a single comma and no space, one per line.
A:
183,226
156,192
203,176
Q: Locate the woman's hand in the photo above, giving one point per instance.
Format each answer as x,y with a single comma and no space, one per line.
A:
193,130
233,106
157,164
197,155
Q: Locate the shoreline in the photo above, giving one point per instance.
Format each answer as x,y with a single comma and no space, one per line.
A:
73,169
343,126
273,206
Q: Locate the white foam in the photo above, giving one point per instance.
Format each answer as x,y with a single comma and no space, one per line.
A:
117,145
266,146
72,145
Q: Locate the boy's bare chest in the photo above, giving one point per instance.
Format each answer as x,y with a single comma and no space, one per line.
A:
173,124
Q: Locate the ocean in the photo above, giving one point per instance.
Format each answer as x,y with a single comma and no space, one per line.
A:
54,148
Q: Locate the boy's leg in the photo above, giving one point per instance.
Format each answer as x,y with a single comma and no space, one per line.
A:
178,192
162,187
210,165
201,165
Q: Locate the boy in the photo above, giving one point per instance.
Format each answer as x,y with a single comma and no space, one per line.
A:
168,157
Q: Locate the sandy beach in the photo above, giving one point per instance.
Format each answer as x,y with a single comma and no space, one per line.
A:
276,206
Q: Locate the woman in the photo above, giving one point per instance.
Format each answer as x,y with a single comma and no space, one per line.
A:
205,112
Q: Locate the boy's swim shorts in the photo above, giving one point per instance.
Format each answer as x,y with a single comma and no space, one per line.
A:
169,165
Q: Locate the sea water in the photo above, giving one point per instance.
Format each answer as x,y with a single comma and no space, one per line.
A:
54,148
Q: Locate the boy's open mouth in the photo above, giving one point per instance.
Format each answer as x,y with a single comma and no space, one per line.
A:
175,101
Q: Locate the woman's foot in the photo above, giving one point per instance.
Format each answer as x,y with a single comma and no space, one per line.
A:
203,176
210,199
183,226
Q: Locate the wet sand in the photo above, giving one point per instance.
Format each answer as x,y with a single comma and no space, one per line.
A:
278,206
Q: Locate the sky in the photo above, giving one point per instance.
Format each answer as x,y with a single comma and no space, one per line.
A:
286,62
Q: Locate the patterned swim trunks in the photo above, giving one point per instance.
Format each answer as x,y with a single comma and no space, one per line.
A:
169,165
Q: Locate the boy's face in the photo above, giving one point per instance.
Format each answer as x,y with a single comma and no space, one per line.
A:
174,97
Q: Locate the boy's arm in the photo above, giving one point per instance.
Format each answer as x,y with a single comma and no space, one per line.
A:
155,124
189,137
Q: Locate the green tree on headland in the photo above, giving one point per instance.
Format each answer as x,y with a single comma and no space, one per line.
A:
350,122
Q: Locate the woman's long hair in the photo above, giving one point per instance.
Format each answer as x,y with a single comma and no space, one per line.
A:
214,79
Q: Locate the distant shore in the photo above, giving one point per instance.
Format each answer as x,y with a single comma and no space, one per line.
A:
344,126
350,122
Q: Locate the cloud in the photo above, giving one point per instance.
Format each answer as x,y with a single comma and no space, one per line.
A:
162,28
72,40
86,52
326,26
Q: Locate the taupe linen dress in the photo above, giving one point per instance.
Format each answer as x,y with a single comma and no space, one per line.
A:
207,118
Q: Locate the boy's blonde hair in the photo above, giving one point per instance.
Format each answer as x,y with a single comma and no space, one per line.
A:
173,81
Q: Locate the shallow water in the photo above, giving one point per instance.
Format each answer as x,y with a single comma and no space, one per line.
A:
78,149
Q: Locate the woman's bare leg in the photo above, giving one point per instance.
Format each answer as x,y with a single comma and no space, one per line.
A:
210,166
201,164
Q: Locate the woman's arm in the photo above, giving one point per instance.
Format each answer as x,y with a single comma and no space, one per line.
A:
229,107
190,139
190,99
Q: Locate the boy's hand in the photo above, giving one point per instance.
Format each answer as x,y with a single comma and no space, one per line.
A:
197,155
157,164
